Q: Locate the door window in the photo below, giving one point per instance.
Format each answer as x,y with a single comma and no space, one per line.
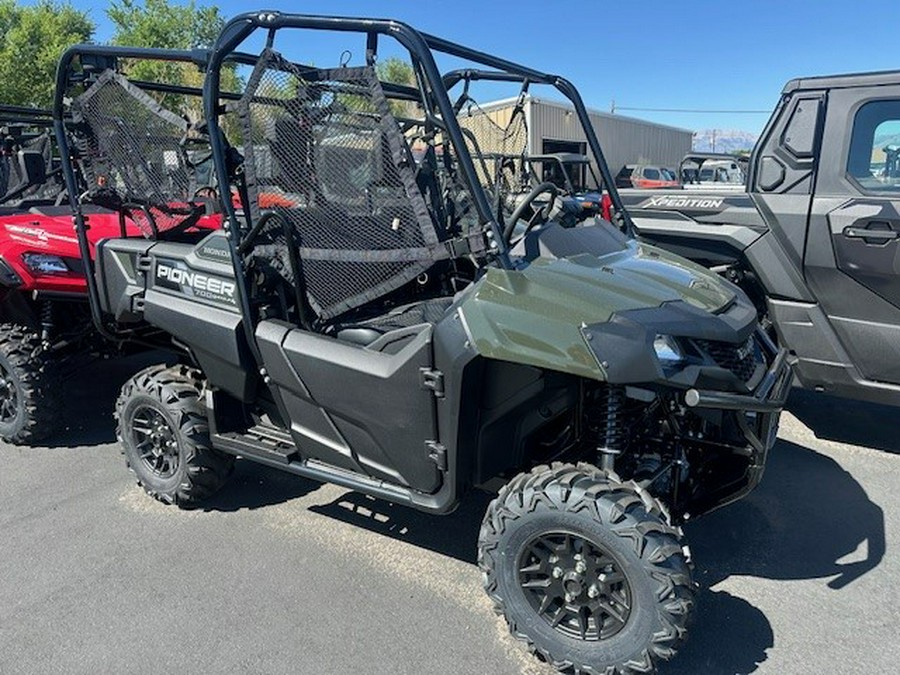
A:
874,158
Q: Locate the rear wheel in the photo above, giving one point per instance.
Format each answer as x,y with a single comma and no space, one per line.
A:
586,570
29,410
164,432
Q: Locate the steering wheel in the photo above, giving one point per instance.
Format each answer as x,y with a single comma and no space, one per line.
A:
547,188
206,192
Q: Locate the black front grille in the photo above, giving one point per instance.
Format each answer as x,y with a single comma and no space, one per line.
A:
741,359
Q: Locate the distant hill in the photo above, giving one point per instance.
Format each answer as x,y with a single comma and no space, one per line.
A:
723,140
887,138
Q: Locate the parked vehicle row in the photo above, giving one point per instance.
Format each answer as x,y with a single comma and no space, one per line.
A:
697,171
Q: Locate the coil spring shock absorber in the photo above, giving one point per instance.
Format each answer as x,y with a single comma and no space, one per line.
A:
46,320
614,437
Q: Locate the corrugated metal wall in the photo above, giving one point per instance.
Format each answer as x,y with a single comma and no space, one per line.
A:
624,140
494,131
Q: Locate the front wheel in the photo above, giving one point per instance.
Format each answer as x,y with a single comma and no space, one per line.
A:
29,407
586,570
164,432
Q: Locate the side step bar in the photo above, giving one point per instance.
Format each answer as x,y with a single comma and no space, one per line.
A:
274,447
263,442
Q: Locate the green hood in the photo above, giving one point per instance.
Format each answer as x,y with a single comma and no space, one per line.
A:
534,316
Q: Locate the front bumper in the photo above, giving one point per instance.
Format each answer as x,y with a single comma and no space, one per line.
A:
763,406
756,414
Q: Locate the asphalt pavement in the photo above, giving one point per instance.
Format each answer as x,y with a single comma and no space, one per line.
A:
282,575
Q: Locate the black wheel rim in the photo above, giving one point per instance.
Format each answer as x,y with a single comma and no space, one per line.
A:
9,396
155,441
575,585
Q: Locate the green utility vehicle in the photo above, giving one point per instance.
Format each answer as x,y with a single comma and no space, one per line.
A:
372,315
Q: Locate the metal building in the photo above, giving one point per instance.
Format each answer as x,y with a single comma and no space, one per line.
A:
553,127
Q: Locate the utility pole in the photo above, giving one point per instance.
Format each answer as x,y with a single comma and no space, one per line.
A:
612,107
713,140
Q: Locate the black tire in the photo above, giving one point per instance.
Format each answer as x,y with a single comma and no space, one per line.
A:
612,545
29,408
164,432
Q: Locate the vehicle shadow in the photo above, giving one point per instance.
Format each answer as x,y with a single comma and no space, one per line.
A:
253,486
809,519
846,420
729,636
89,399
784,531
454,535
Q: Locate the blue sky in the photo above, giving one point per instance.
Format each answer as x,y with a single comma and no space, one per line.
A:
646,54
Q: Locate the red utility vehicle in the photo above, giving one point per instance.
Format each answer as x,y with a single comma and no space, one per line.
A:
46,332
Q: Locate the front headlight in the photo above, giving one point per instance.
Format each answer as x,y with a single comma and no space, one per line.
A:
667,350
43,263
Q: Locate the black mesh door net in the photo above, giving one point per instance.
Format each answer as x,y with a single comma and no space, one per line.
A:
322,149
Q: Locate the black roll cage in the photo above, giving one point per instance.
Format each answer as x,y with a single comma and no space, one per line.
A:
26,116
419,45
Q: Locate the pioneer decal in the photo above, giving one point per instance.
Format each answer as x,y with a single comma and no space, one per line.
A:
670,202
175,275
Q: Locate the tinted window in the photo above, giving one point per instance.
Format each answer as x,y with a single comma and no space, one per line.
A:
874,157
651,174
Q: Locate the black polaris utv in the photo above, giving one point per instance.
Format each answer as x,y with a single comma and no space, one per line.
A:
371,316
815,239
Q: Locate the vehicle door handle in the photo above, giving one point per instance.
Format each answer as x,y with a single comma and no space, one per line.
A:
863,233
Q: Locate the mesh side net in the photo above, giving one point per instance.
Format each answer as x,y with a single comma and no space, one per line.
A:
133,154
492,135
14,177
322,149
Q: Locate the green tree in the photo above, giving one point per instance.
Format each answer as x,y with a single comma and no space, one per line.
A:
33,39
397,71
163,24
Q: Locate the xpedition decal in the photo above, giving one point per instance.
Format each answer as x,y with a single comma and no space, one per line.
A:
671,202
174,275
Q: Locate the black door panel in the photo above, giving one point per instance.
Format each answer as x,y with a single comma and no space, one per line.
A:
361,409
852,257
866,237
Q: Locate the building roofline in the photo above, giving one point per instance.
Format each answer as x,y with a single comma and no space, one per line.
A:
563,105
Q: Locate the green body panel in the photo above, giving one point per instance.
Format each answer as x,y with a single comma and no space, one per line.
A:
534,316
